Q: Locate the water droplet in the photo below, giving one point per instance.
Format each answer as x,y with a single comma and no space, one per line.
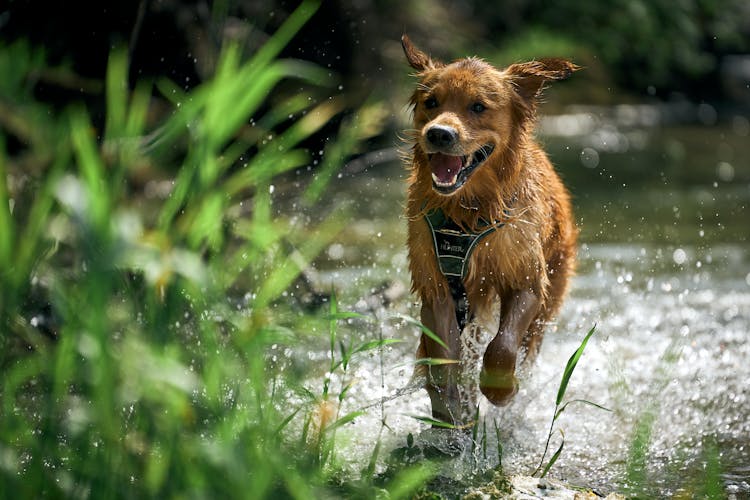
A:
725,171
679,256
741,126
707,114
336,251
589,158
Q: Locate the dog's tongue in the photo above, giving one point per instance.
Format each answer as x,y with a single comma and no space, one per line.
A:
445,167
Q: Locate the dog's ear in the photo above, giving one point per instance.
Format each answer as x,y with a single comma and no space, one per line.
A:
418,59
529,77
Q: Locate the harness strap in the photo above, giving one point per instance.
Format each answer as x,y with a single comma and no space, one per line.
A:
453,248
460,299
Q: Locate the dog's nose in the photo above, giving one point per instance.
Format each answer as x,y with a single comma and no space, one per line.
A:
442,136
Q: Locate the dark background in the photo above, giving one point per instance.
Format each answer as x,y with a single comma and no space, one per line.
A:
659,48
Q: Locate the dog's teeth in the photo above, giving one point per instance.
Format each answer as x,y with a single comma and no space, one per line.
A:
438,182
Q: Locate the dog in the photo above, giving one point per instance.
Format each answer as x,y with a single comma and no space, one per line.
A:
490,223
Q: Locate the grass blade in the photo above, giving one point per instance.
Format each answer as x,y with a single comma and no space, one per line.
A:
584,401
571,366
636,468
333,312
138,113
92,169
435,423
370,470
344,420
434,362
367,123
7,227
374,344
499,446
421,326
285,422
117,94
559,409
283,275
261,171
554,457
281,37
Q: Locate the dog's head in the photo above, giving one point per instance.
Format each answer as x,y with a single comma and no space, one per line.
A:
468,113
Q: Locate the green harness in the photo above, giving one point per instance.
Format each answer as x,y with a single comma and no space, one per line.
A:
453,249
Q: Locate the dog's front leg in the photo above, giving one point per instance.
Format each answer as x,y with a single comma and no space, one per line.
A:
498,380
442,380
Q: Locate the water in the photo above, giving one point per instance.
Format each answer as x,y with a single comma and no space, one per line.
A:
664,274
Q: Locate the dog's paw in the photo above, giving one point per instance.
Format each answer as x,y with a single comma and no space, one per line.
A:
498,386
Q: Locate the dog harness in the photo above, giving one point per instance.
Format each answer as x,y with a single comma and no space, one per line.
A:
453,248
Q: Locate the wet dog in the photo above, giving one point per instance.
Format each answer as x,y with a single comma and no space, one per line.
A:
489,221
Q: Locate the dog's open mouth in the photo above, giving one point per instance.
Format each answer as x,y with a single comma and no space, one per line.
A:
451,172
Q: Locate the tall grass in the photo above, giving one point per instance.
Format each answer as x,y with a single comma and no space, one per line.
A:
134,364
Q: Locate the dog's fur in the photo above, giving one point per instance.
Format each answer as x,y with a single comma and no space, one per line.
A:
525,265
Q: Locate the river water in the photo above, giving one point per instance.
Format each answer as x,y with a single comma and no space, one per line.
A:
662,196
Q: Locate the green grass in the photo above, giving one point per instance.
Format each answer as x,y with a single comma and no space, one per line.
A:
134,329
560,406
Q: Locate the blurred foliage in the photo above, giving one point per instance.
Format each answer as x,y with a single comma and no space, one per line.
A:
627,44
673,46
132,367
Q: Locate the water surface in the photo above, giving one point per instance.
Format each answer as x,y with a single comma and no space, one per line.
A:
664,273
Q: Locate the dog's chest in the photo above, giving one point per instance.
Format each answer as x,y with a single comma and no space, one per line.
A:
492,256
454,245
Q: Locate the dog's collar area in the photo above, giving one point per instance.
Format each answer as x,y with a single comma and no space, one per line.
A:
453,248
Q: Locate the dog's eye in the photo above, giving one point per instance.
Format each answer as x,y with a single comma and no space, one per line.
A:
478,107
430,103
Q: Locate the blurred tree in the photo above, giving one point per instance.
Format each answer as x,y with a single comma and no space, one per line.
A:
665,44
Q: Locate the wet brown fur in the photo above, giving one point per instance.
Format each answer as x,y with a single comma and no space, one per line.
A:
525,264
